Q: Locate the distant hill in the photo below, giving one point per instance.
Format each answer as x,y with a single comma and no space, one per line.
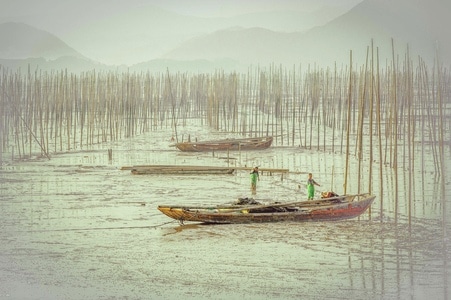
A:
66,63
421,24
247,46
19,41
134,31
201,47
23,46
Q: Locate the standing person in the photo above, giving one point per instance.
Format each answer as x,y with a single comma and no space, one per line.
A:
254,178
311,186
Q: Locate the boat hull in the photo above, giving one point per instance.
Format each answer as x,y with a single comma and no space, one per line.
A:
180,170
260,143
346,208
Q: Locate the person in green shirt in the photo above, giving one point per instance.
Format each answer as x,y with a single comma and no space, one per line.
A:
311,186
254,178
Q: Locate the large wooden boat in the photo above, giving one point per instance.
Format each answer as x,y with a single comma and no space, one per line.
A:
327,209
256,143
180,170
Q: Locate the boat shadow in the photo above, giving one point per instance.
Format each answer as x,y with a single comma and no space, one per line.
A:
194,226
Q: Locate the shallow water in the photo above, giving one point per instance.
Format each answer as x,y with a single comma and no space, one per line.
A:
79,227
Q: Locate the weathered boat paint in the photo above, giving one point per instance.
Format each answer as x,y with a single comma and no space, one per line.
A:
180,170
257,143
349,206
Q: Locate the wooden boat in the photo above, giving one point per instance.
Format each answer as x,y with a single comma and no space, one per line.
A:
328,209
256,143
181,170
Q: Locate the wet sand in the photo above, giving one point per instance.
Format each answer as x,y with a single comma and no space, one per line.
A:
79,227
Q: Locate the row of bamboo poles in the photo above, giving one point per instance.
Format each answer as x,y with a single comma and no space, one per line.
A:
403,103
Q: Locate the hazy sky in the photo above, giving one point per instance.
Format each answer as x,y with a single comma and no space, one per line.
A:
204,8
227,8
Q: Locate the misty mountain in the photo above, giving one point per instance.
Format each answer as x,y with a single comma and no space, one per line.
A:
246,46
420,24
23,45
129,32
185,43
284,21
19,41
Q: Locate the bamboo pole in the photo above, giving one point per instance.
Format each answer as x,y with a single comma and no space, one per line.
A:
371,113
348,124
362,109
378,117
395,131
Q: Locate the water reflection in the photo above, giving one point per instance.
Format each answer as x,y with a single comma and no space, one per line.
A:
85,221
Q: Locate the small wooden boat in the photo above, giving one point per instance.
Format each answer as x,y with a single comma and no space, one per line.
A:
256,143
328,209
181,170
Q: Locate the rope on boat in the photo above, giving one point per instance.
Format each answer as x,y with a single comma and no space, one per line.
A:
162,224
